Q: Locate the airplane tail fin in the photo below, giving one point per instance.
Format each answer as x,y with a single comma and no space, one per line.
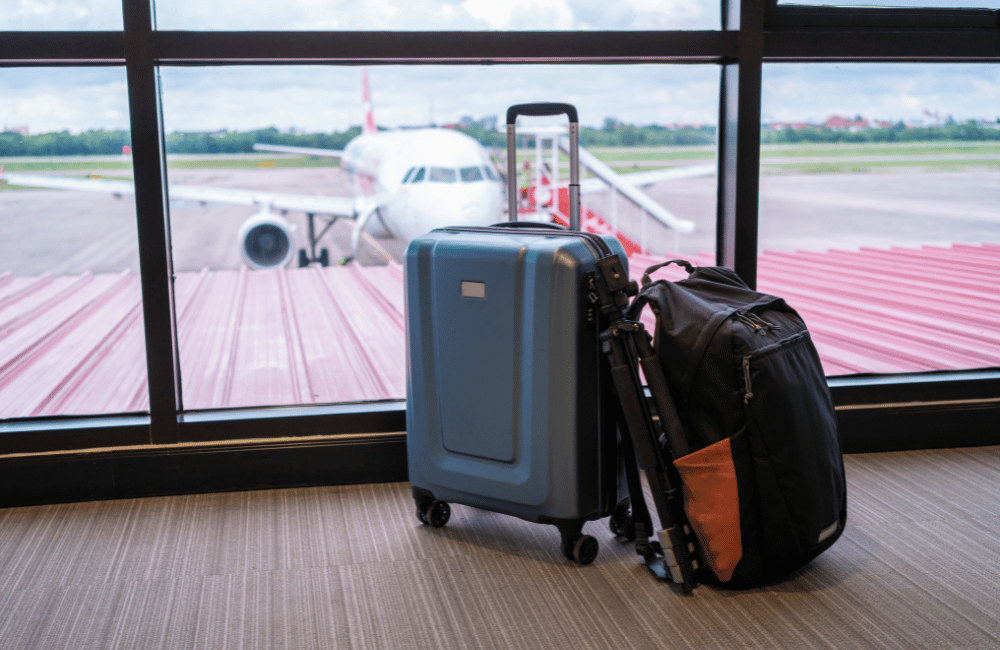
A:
369,124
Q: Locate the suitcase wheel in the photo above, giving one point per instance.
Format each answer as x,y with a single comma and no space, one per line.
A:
622,525
435,513
582,550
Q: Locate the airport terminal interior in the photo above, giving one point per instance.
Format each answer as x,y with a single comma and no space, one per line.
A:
203,371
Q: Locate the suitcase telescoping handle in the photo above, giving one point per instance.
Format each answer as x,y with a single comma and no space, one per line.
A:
543,109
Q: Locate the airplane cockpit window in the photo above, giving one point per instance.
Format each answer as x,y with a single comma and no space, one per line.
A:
471,174
490,174
408,174
442,175
419,176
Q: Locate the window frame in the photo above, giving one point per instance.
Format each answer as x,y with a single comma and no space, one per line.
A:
751,34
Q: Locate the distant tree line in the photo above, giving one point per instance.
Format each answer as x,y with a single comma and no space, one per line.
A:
96,142
970,131
618,134
100,142
612,134
243,142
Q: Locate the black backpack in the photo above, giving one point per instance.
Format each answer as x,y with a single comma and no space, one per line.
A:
764,490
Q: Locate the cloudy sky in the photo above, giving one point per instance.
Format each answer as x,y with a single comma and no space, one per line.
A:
370,14
325,98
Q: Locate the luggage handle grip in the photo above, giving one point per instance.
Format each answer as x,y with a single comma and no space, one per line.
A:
541,109
544,109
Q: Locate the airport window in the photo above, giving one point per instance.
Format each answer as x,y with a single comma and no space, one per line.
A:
901,4
70,304
439,15
871,167
640,112
267,317
471,174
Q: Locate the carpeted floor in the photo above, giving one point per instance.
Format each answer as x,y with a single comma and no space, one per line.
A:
351,567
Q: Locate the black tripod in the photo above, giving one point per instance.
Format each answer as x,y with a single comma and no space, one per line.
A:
624,341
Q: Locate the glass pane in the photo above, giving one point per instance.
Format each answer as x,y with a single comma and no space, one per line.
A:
439,15
71,335
929,4
880,211
60,15
266,313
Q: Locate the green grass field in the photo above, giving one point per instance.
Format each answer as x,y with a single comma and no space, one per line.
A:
775,159
817,158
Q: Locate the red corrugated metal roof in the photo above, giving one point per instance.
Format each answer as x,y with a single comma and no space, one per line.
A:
73,345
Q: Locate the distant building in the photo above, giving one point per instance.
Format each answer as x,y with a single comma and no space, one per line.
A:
794,126
23,130
838,123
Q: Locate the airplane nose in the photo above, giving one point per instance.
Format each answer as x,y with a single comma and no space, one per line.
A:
478,213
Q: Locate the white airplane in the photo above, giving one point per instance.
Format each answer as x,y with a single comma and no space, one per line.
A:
411,181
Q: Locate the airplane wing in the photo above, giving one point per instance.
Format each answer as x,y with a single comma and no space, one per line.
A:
647,178
331,205
305,151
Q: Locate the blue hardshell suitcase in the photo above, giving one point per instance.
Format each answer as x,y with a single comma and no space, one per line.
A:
510,405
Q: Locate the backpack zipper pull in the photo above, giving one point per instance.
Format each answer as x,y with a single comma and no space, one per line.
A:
746,379
767,326
746,320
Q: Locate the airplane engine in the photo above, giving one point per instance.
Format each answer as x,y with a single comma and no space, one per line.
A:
266,241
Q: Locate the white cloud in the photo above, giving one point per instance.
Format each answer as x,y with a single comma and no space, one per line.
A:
412,15
81,15
323,98
417,15
73,99
794,92
500,14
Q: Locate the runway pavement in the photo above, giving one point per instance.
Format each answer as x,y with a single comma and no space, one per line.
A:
71,232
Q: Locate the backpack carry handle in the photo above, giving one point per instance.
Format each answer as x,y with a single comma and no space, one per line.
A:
656,267
541,109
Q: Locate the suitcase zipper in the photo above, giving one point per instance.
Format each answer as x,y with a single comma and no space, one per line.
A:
596,240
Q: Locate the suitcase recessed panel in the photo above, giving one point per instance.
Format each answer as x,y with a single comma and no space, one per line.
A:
476,347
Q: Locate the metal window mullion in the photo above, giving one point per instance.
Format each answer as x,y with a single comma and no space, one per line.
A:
357,48
739,148
884,46
155,264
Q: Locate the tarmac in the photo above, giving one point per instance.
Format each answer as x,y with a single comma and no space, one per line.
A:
60,232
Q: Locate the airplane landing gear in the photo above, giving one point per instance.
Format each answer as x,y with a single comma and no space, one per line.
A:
305,260
308,257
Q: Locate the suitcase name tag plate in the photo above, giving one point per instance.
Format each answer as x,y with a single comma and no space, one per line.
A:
473,289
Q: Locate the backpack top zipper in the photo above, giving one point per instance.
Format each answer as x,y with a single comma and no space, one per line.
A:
755,322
